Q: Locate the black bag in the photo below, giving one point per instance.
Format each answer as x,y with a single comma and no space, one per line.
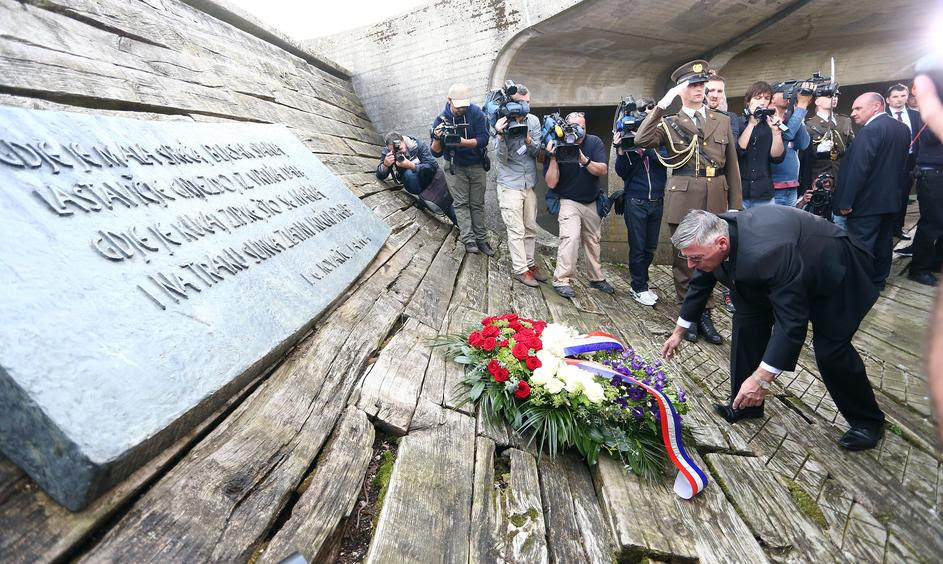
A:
618,201
553,202
603,204
436,196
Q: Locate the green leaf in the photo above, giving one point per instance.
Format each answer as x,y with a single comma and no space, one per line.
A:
462,359
476,390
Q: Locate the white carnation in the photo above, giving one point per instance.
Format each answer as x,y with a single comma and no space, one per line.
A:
594,392
555,337
548,360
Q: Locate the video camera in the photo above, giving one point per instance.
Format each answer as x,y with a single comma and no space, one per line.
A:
565,135
451,138
823,87
761,114
627,120
499,103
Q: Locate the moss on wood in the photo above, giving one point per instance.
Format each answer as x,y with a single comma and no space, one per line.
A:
807,505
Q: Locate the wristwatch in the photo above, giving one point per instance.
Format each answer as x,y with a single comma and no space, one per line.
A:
761,382
587,163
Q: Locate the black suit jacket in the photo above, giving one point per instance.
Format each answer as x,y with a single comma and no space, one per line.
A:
869,178
916,122
796,266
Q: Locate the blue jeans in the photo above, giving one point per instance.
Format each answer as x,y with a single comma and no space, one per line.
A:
642,221
786,196
840,221
747,204
412,185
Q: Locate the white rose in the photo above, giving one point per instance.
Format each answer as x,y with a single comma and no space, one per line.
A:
548,360
555,337
541,376
573,377
594,392
554,386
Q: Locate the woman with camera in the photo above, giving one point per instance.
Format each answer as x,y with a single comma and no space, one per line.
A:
760,144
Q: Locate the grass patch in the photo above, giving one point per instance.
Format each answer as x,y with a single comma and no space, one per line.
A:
382,482
806,504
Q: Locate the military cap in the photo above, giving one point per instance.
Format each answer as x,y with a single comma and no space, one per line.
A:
694,72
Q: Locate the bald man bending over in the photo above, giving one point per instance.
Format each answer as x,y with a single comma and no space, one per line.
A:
867,193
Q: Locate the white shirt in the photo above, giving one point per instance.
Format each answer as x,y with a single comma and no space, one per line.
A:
690,112
827,116
904,117
874,117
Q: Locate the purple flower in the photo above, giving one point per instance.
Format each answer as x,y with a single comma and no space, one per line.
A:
637,412
622,402
659,386
658,363
636,365
616,381
681,395
649,370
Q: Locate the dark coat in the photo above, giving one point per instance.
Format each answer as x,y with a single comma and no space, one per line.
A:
796,266
756,175
869,179
916,122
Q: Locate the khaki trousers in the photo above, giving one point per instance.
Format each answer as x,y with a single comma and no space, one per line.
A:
580,225
519,212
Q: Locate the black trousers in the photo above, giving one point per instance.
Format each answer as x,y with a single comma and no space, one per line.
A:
839,363
906,185
928,246
876,234
643,222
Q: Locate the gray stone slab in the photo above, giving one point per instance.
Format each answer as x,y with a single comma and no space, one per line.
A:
149,269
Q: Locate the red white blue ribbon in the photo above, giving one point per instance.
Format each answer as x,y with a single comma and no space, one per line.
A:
690,479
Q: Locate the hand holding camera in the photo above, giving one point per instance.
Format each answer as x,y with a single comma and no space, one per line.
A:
389,159
804,95
501,125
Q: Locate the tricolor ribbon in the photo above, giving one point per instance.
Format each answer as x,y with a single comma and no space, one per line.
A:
690,479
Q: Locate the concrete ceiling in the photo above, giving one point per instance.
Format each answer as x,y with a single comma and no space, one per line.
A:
600,50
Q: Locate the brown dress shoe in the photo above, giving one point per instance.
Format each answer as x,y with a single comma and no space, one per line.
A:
538,274
527,279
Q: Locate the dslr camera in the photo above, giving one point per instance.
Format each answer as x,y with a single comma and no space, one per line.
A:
627,120
398,155
565,135
821,202
499,103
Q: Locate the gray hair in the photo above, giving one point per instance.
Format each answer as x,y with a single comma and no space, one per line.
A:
393,138
521,89
699,227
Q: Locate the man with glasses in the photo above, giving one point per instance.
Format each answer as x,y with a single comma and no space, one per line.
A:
578,187
785,268
703,159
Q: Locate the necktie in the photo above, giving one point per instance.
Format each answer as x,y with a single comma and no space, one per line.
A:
697,121
898,116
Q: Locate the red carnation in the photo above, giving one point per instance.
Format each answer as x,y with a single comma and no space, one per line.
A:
489,343
520,351
532,362
494,367
501,375
523,390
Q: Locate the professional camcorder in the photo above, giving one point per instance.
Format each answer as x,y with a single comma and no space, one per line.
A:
823,86
451,138
565,135
499,103
628,118
761,114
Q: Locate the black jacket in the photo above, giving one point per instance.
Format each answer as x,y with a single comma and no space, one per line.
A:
869,178
756,176
797,266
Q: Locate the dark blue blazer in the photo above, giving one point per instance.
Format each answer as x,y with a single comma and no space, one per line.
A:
869,178
916,122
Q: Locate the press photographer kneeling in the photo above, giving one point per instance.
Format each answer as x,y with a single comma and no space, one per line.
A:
818,199
411,163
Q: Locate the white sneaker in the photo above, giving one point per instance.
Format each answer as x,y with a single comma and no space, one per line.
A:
647,297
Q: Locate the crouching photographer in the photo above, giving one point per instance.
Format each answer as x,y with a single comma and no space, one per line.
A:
411,163
818,199
460,136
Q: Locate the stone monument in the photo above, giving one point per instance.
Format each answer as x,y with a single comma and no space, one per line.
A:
150,269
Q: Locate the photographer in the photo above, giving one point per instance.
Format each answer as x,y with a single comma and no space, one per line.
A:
411,162
795,137
460,134
577,186
760,144
644,179
818,199
517,175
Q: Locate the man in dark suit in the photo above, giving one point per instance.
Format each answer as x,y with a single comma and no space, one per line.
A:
868,192
784,268
897,108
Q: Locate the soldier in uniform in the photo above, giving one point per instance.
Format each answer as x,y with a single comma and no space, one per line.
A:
703,160
831,135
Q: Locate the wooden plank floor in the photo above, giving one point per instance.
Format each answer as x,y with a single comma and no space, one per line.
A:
279,468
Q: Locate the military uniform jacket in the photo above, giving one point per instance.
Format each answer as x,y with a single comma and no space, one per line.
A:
814,164
716,148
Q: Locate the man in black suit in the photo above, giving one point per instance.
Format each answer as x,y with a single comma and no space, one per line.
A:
868,192
897,108
784,268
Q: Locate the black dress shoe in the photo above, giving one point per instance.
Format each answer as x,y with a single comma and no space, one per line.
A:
691,333
924,278
860,438
706,328
902,236
732,415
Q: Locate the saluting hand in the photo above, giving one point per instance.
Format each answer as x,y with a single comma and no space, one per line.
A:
672,94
